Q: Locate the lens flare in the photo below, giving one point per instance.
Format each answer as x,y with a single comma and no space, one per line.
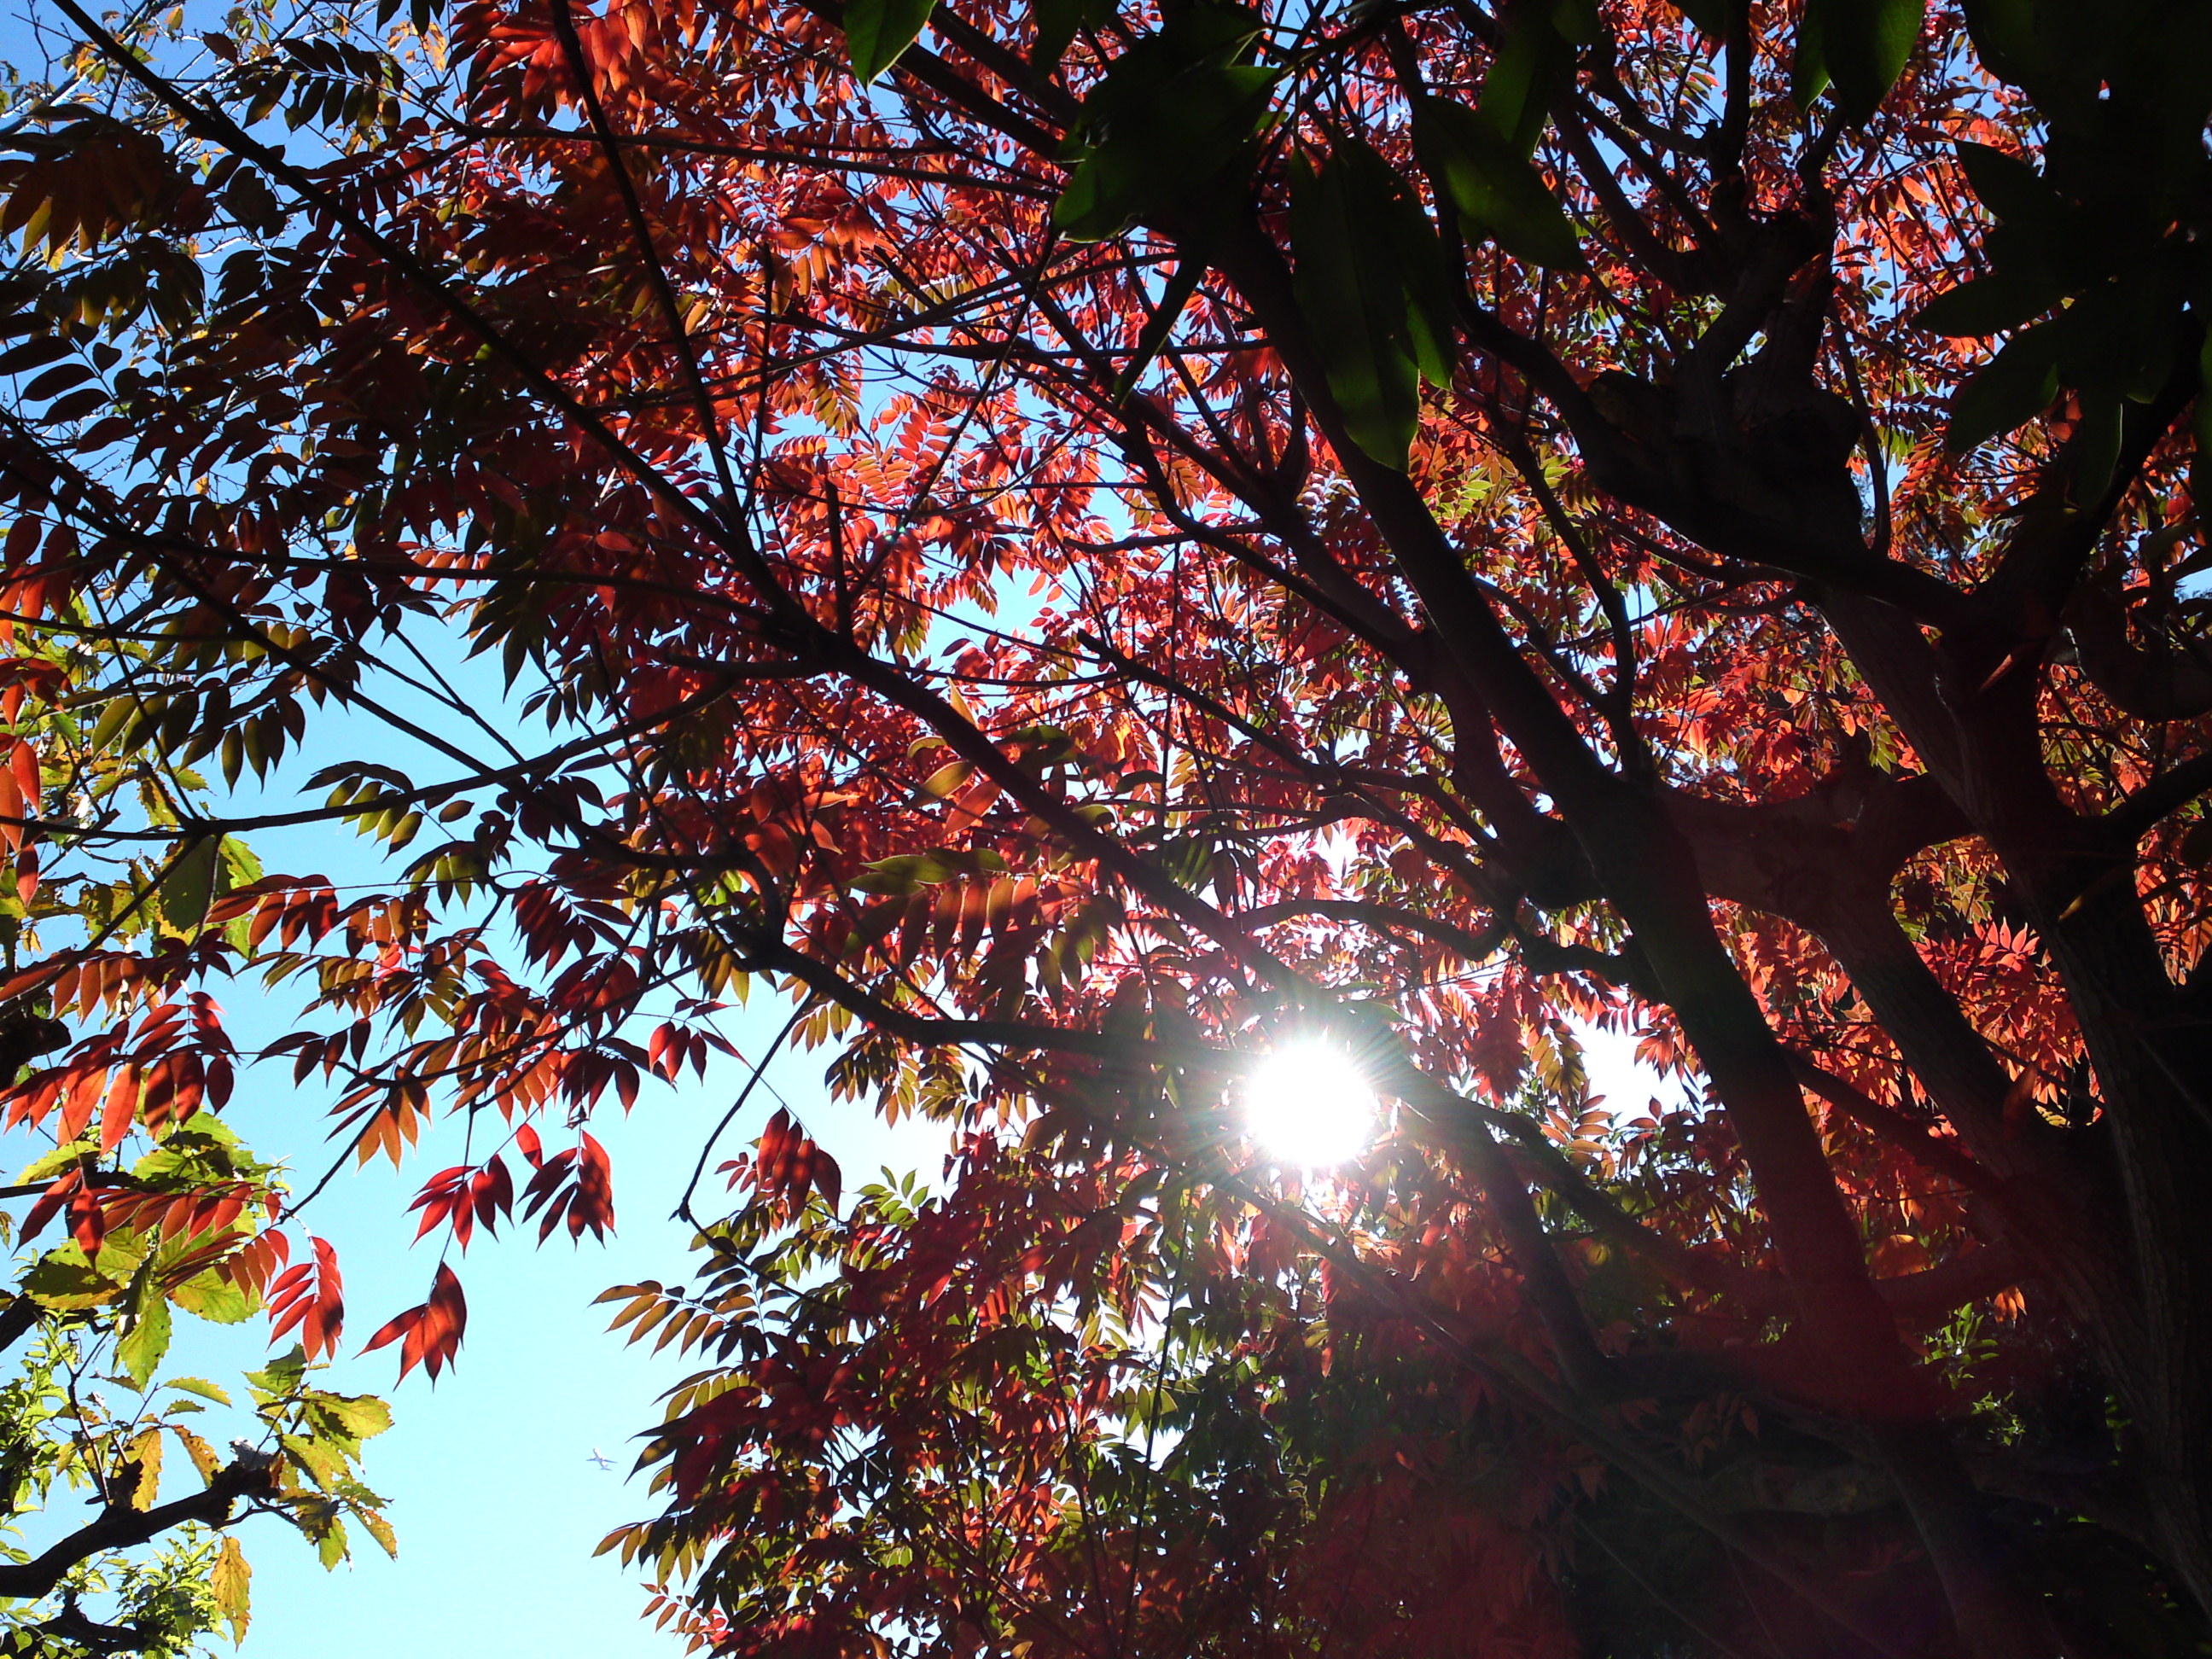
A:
1307,1104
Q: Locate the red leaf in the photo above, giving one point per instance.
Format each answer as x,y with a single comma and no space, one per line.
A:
594,1205
87,1219
429,1336
441,1194
492,1194
252,1266
311,1298
788,1164
50,1204
122,1107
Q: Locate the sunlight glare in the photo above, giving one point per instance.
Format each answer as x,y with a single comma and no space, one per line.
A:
1307,1104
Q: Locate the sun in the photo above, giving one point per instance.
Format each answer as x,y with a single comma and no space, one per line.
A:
1308,1104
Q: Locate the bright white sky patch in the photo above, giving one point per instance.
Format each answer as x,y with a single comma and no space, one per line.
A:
1307,1104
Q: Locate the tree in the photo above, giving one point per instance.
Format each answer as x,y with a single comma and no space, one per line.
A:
1085,545
146,1206
65,1435
174,1232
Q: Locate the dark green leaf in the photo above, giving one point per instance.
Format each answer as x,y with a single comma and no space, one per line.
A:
1862,46
1354,302
2009,186
1390,217
1710,17
2098,439
877,31
1534,61
2051,47
1103,195
2016,385
1057,22
1986,305
1497,193
1808,66
2203,402
1578,21
2124,335
1172,113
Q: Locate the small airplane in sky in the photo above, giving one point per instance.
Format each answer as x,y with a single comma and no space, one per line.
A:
600,1458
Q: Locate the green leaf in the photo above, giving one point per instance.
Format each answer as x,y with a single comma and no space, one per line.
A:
1354,306
1808,65
241,866
199,1385
47,1165
1057,22
947,778
211,1297
1169,117
877,31
1533,62
188,885
122,1253
113,718
352,1417
1709,17
319,1459
282,1375
65,1282
2009,186
1988,305
2016,385
902,873
1862,46
2098,436
140,1349
364,1417
1497,193
231,1581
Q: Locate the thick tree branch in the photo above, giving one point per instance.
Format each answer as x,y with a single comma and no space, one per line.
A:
121,1527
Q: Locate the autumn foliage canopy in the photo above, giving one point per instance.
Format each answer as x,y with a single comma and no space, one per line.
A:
1086,545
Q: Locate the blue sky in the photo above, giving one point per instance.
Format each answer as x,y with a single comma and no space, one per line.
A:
496,1501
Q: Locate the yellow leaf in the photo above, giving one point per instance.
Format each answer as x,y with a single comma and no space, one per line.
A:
232,1583
145,1457
202,1454
379,1530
